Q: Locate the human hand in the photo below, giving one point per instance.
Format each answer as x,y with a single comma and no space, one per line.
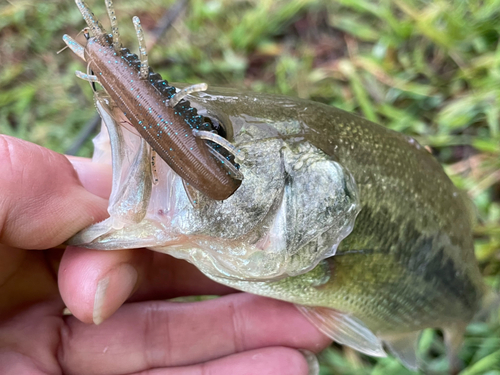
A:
44,200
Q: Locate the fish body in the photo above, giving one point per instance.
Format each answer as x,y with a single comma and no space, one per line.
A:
414,226
397,257
410,255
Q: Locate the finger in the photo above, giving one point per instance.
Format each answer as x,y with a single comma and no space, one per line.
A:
267,361
24,279
42,201
149,335
29,339
95,177
94,284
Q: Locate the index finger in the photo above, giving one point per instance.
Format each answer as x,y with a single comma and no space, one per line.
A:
149,335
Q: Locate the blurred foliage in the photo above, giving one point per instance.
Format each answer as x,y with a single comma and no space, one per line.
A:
430,69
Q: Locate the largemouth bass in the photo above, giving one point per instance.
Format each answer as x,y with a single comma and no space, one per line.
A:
408,263
356,224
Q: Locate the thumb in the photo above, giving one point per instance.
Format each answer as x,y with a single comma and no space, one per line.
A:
42,200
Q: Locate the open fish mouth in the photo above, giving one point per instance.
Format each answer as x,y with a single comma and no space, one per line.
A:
291,211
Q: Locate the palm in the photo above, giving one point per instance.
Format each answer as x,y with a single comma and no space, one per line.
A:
237,333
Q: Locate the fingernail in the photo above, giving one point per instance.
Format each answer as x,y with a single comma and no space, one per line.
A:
95,177
99,299
312,361
112,290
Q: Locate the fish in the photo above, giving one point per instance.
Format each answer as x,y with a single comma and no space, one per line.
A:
356,224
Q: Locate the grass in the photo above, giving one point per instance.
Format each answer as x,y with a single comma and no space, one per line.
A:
430,69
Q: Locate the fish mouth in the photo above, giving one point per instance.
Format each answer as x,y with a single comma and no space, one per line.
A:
281,221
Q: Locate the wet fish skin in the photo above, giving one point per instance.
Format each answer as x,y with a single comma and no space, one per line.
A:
409,262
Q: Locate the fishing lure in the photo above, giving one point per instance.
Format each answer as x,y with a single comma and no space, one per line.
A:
189,143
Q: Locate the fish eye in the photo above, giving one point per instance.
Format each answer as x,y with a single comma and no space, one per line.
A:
216,126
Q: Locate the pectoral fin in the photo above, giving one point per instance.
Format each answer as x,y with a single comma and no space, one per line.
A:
344,329
404,347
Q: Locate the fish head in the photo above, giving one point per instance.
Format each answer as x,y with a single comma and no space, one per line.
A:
293,208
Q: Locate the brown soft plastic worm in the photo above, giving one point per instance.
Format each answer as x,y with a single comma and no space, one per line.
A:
164,119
